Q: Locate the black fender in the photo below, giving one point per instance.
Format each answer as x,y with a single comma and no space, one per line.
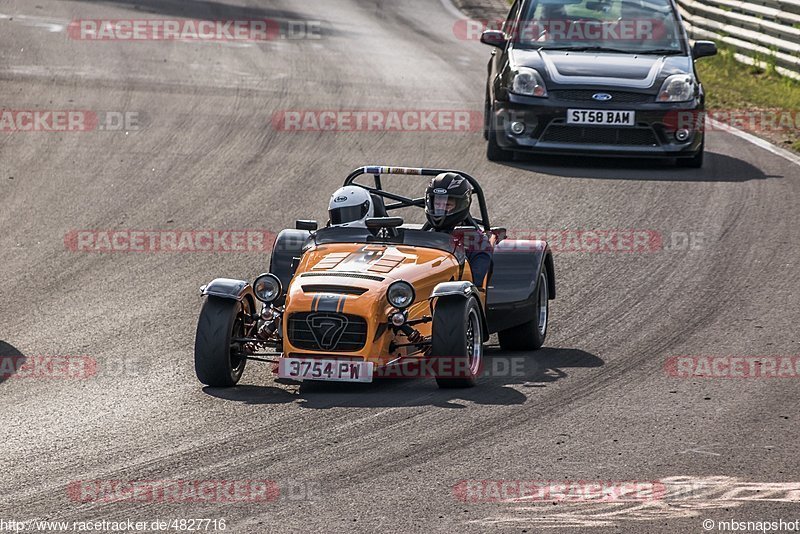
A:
463,289
288,247
511,297
228,288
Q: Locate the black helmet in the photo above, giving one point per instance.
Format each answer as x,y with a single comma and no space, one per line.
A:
447,201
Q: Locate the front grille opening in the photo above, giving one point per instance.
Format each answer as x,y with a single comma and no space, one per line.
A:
600,135
339,357
617,97
325,331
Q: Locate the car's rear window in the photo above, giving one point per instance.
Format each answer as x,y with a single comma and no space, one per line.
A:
633,26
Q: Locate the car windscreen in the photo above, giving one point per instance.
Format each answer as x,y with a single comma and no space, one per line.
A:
405,236
626,26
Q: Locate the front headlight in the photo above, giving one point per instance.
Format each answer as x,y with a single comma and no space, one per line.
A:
267,288
677,88
528,82
400,294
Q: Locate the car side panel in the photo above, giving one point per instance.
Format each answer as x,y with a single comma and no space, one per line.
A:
511,298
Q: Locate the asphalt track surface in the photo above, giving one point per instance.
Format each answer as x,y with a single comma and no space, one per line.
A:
595,404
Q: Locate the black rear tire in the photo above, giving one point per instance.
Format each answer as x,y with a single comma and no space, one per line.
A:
457,342
217,360
530,335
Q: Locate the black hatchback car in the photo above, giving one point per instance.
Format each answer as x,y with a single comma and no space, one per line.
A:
595,77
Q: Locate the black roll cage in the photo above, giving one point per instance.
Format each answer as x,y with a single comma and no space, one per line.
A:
404,202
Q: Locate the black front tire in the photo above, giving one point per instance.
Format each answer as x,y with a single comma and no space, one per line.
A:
494,152
457,341
530,335
217,359
487,116
695,162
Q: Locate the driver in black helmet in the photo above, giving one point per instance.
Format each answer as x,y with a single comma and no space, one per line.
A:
447,202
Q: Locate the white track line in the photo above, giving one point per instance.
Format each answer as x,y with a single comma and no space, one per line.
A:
452,9
761,143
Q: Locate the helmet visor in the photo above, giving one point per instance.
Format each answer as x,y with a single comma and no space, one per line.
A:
348,214
442,205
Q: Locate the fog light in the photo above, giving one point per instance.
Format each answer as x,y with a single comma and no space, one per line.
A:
398,318
517,128
682,134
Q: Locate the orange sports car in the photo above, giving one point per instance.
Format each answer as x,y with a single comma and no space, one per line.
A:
390,299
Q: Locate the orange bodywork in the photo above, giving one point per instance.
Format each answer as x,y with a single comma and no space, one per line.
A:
326,272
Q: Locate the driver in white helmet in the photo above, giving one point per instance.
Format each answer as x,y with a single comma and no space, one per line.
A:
350,206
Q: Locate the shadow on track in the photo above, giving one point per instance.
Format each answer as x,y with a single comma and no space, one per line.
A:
532,370
8,355
200,9
717,168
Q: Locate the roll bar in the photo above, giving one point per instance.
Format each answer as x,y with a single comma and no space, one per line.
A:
403,202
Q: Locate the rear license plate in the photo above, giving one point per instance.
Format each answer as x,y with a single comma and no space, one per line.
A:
600,117
327,370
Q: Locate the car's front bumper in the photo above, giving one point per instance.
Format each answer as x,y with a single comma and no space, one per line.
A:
547,132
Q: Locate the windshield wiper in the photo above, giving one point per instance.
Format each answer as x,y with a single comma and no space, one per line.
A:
661,51
589,49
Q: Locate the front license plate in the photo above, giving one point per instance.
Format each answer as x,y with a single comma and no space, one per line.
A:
327,370
600,117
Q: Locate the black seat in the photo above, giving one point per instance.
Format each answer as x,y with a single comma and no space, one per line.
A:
378,207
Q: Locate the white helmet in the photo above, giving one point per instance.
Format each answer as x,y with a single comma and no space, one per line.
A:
350,206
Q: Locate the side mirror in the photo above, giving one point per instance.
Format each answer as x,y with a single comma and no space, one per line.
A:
704,49
306,225
384,222
600,5
494,38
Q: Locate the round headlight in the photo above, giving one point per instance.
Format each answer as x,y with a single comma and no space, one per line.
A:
267,288
400,294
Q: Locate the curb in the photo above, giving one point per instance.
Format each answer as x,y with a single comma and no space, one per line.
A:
482,9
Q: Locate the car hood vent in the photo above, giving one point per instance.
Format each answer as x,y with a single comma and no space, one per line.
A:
338,290
346,275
